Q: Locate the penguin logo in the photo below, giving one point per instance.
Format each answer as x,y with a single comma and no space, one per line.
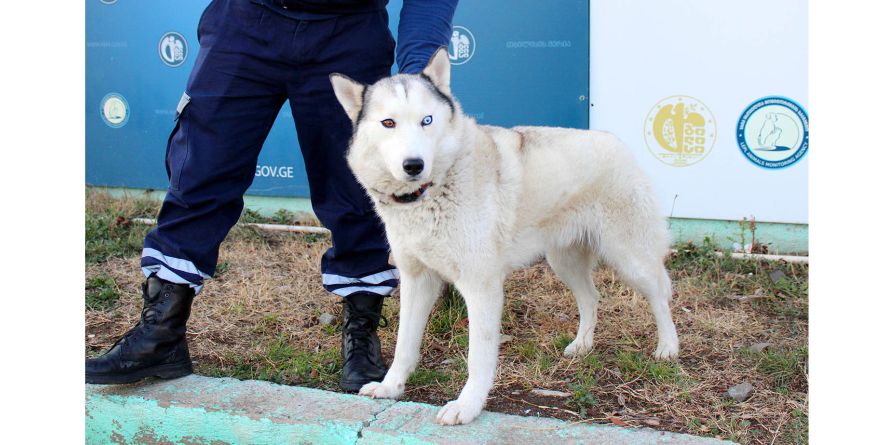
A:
114,110
773,132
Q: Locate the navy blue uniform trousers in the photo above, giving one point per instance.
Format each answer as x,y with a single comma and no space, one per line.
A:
251,61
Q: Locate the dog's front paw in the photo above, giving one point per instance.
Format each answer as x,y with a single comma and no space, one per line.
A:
459,412
667,350
378,390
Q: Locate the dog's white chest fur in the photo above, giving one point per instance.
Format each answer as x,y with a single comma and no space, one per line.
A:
469,217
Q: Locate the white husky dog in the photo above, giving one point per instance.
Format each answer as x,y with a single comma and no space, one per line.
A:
467,204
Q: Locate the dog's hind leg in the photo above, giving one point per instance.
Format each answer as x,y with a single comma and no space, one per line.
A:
635,243
419,289
574,265
648,276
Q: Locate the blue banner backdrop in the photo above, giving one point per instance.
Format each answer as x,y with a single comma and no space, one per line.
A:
520,62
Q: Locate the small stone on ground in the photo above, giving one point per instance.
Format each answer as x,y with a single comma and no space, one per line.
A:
740,392
759,347
549,393
326,318
776,275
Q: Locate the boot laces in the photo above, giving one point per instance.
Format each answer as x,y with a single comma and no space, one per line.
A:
149,311
360,328
148,317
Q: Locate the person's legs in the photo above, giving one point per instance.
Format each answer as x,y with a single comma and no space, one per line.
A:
356,266
358,46
236,90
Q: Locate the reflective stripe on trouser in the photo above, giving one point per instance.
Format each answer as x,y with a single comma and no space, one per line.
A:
171,269
250,62
381,283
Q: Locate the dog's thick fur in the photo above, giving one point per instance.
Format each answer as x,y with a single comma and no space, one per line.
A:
497,199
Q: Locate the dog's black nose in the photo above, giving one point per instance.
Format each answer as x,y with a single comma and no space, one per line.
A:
413,166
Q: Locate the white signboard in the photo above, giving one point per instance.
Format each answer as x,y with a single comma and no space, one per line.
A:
711,98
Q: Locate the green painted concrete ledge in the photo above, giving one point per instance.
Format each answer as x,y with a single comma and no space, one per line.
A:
782,238
197,410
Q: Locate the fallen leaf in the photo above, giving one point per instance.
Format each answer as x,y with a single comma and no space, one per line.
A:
617,421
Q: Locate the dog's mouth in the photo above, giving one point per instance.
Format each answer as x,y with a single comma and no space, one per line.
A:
411,196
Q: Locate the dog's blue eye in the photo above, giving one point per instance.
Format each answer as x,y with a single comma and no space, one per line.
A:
427,121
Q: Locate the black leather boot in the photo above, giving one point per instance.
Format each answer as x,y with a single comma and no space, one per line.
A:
360,347
156,346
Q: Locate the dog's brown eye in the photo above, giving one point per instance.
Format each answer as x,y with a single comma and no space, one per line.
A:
389,123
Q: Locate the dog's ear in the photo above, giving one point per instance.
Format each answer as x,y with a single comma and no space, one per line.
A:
438,70
349,93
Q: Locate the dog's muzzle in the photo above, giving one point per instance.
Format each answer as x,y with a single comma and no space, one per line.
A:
412,196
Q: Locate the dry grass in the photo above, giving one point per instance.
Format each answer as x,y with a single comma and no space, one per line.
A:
259,319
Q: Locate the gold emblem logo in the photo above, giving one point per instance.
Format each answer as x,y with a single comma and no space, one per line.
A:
680,131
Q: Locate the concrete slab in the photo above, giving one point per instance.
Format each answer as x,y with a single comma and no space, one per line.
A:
202,410
412,423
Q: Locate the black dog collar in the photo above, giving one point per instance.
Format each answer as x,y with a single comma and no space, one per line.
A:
413,196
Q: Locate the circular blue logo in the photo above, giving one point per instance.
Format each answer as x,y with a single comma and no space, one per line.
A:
173,49
773,132
461,45
114,110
